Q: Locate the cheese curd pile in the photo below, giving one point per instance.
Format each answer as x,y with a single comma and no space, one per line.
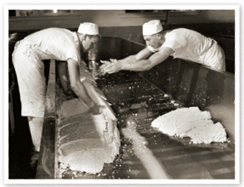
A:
193,123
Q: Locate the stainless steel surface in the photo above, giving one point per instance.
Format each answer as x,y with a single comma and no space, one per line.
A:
181,159
134,98
46,163
195,85
190,83
143,97
93,67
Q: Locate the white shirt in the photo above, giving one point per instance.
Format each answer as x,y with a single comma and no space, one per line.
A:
191,45
55,43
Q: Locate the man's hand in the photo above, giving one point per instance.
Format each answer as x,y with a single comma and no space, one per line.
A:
96,109
110,67
101,70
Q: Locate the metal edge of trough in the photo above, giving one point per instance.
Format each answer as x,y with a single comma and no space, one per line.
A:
48,147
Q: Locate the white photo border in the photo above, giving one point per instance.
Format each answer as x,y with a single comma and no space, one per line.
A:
113,181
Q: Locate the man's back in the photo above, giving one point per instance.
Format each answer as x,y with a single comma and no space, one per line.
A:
55,43
187,43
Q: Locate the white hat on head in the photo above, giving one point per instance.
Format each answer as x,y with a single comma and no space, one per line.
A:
88,28
152,27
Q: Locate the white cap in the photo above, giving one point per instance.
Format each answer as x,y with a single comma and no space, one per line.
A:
88,28
152,27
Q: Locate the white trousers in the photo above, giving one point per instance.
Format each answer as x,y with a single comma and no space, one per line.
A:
31,79
32,87
36,126
214,57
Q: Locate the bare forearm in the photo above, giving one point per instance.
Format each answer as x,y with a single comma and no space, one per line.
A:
129,59
131,63
80,90
138,62
141,65
146,64
63,76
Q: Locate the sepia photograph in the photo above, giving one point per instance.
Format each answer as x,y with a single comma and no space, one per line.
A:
122,94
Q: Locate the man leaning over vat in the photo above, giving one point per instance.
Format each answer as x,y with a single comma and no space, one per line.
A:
51,43
180,43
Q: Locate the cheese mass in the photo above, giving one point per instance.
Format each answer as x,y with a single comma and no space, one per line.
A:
193,123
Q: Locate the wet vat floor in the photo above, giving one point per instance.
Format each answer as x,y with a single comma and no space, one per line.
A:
134,99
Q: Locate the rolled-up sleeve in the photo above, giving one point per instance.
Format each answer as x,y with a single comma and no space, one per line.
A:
174,41
152,49
73,53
